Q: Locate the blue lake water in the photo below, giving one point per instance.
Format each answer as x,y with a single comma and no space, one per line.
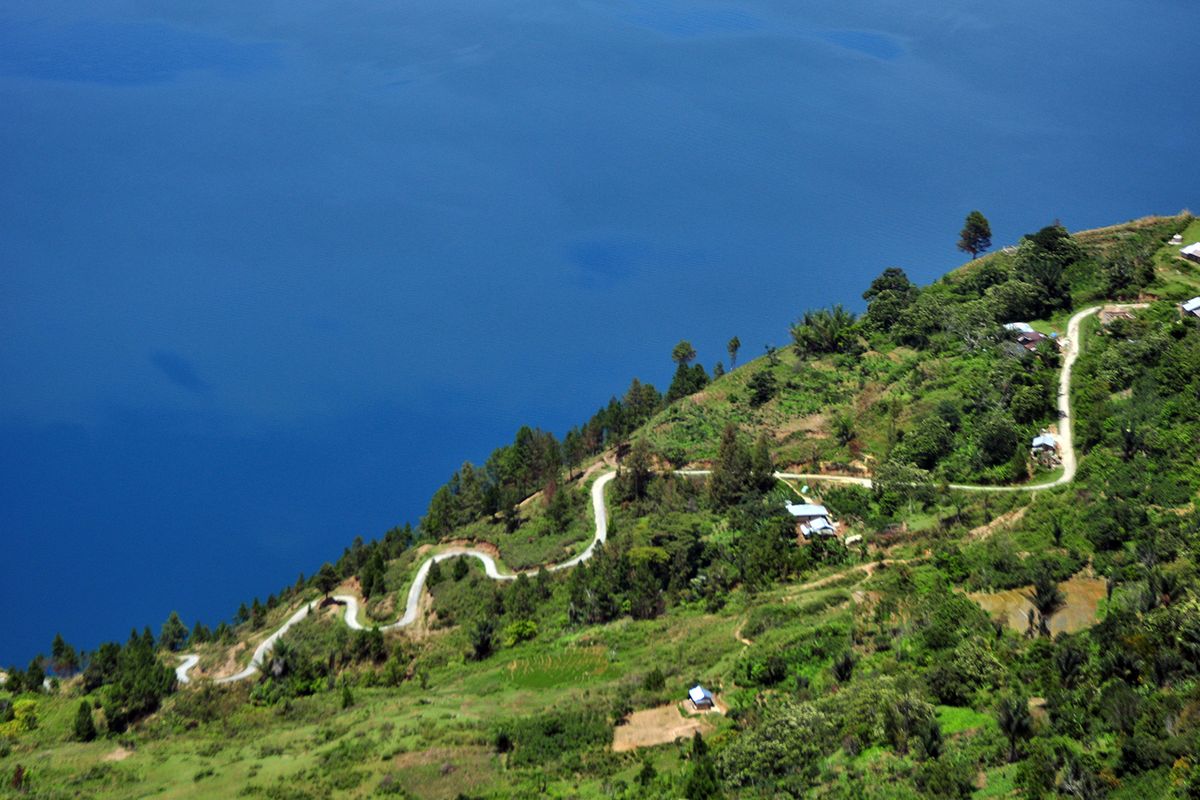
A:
270,272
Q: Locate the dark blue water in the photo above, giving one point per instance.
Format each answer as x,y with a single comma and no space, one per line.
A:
270,272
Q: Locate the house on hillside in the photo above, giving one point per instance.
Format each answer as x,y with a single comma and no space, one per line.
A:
812,519
1110,314
1176,240
1025,338
701,698
1191,252
1045,450
1191,307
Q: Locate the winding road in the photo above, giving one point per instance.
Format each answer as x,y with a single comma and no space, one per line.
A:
414,591
1066,449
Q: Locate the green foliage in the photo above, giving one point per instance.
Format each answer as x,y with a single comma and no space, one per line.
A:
635,471
825,331
138,684
683,353
1015,721
63,657
687,380
326,579
782,751
174,634
483,639
519,631
544,739
85,727
762,388
976,235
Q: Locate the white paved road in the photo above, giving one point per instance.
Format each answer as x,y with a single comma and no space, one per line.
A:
1066,449
414,592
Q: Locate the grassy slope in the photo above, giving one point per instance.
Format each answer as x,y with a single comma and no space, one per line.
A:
437,739
814,392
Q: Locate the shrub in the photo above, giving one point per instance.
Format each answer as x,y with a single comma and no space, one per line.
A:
540,740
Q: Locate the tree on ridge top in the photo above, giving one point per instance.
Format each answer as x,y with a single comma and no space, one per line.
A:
976,235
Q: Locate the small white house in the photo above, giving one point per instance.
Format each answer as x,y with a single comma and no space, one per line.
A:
812,519
1177,239
1045,450
806,512
1191,252
1018,327
1191,307
1044,441
701,698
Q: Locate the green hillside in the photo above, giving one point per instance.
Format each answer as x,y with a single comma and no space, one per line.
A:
976,642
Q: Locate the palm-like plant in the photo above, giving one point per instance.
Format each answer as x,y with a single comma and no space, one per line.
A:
824,331
843,667
1015,721
1047,598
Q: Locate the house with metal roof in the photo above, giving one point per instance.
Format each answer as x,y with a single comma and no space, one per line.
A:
812,519
1044,450
1191,252
1018,327
702,699
807,511
1191,307
1044,441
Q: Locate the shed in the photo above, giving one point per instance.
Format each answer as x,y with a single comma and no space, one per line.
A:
821,526
807,510
701,698
1030,340
1191,252
1044,441
1191,307
1177,239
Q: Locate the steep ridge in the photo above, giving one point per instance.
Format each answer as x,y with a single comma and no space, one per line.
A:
492,569
414,593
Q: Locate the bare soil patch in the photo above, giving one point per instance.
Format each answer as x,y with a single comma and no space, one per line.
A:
120,754
1083,594
814,425
472,544
661,725
868,568
1002,522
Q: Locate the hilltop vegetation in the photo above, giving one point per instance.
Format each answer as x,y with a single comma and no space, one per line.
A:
846,672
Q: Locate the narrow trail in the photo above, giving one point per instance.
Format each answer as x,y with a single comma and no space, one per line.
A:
1066,448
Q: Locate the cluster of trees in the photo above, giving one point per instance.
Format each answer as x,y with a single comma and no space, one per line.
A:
781,744
510,474
740,471
312,656
964,309
1137,398
536,460
130,679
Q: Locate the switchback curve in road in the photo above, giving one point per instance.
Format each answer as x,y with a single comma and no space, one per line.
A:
1066,449
1066,434
490,567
